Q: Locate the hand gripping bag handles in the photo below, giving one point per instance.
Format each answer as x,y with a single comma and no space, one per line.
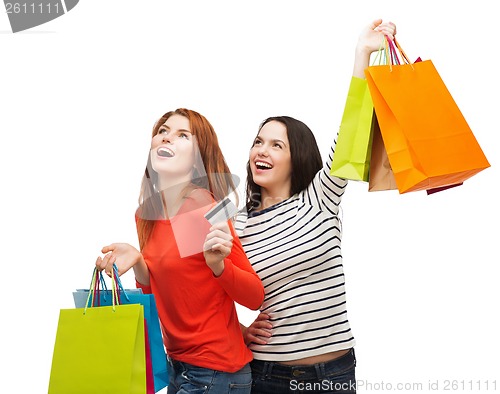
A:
428,141
134,296
100,349
354,143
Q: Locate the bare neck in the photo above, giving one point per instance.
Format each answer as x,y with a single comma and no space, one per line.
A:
273,197
173,197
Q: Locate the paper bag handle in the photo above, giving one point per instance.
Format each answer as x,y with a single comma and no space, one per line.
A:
387,53
381,57
403,54
95,287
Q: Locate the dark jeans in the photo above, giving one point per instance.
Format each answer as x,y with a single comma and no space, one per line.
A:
336,376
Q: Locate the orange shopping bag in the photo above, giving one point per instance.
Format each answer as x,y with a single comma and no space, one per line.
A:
428,141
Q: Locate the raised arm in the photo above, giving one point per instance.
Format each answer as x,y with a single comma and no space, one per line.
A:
368,42
327,190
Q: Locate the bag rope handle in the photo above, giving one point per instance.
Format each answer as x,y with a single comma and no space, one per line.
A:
403,54
119,283
387,54
90,297
381,52
396,48
97,280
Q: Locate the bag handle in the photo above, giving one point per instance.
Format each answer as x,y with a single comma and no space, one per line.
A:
98,284
95,284
381,57
386,54
393,52
394,48
403,54
95,287
121,290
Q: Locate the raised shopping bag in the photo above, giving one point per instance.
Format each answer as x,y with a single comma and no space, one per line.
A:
428,141
354,143
352,151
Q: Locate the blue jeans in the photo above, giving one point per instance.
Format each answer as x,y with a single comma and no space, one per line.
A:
336,376
186,378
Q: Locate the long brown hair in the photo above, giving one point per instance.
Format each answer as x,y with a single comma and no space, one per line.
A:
218,179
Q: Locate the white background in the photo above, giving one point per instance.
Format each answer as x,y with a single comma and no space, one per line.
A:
80,94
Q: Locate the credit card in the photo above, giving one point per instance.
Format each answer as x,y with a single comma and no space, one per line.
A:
222,212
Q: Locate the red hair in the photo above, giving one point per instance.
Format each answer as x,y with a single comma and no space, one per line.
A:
218,178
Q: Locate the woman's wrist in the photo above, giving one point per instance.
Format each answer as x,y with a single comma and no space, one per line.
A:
141,270
361,61
218,269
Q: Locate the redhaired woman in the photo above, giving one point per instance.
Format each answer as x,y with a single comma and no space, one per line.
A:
196,271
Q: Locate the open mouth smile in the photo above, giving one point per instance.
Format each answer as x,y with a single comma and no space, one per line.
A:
165,152
262,165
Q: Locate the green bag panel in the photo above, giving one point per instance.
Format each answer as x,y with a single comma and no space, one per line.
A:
99,350
352,152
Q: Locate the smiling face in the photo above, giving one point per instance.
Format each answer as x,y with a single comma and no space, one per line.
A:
270,160
173,151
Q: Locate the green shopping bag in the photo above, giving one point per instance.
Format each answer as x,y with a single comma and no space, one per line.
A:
352,152
104,297
100,350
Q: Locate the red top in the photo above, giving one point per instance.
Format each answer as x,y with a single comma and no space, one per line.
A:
196,309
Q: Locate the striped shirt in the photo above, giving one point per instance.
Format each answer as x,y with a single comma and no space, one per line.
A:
294,246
